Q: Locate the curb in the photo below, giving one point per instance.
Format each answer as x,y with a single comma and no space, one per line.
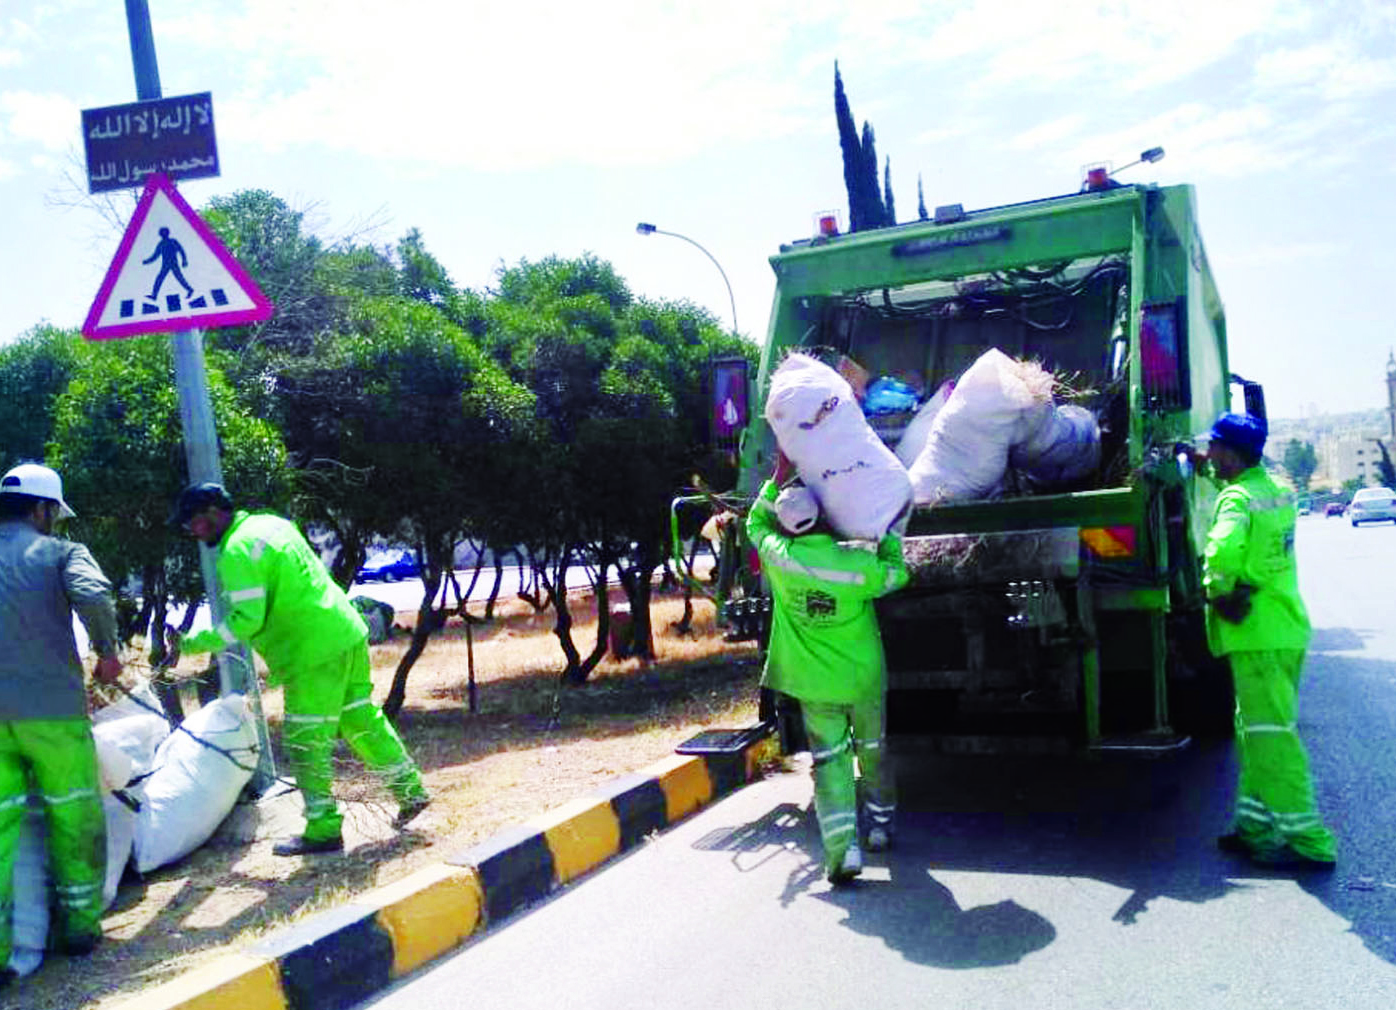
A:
346,955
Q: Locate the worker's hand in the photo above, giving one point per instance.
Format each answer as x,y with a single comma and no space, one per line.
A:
784,468
108,669
1235,606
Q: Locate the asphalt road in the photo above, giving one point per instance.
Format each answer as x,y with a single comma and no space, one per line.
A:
1042,884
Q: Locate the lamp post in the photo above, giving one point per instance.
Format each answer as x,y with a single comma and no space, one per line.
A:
644,228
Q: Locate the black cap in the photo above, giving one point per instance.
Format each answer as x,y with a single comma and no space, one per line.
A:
196,498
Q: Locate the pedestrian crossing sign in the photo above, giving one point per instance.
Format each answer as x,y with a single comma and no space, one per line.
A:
171,273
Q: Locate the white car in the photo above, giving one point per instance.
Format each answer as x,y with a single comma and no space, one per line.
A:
1373,505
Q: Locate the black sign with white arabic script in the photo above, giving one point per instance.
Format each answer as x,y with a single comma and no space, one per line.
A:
127,143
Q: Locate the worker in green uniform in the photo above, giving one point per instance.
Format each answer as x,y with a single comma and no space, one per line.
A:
45,733
826,651
1257,619
280,599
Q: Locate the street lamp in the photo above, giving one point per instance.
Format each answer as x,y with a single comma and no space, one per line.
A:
644,228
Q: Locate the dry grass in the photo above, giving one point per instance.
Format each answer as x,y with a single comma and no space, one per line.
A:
532,746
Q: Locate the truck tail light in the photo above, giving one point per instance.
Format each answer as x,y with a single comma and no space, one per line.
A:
1110,542
1163,355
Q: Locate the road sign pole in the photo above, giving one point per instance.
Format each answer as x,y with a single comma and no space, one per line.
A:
236,673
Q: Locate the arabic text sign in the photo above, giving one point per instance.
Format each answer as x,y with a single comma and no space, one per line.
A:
170,273
126,144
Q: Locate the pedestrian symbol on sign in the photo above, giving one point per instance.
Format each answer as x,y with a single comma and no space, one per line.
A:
135,296
171,256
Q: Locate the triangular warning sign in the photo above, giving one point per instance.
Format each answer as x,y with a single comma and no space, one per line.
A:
171,273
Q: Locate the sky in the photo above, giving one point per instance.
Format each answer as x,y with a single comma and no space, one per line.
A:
520,130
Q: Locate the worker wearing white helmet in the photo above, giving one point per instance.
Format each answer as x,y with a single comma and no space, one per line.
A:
45,733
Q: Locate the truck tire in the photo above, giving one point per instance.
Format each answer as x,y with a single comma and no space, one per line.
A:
1201,696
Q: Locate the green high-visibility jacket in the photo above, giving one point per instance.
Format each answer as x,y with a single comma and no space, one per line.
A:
825,645
1252,541
279,598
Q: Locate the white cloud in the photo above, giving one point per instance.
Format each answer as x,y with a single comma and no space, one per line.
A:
10,58
7,170
1048,133
1271,255
49,120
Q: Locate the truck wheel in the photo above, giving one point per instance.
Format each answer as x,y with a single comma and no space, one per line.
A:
1201,696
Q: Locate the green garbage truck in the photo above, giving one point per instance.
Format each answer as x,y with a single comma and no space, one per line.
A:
1044,618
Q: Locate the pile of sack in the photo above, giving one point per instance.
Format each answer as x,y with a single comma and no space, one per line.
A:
163,795
1000,415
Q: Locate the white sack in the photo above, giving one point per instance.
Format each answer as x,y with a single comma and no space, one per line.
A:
993,406
914,438
1066,448
817,421
121,836
193,788
30,881
134,730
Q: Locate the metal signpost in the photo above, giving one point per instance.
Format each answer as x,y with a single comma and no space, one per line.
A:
192,281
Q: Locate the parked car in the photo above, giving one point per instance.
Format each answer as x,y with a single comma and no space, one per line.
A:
1334,508
389,566
1373,505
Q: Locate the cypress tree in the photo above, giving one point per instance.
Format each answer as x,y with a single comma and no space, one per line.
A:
871,192
852,154
890,217
921,200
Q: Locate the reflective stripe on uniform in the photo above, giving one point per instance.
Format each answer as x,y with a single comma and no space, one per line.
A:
839,822
13,801
867,744
316,719
238,595
825,574
821,756
259,548
1267,727
76,794
358,704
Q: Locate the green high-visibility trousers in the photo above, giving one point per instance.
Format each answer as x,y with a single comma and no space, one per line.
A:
837,734
1275,801
333,700
60,760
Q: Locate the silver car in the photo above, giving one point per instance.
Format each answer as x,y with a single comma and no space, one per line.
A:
1373,505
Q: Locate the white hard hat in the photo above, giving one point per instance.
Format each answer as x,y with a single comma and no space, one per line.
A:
38,482
797,509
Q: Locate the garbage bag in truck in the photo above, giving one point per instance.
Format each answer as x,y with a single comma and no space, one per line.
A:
861,485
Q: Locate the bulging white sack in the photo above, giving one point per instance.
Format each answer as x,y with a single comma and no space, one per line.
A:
861,485
136,731
1064,449
914,438
121,837
192,787
997,402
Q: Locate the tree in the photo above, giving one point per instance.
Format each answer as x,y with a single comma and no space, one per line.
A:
920,200
890,214
865,207
1300,461
118,443
34,370
1385,470
619,391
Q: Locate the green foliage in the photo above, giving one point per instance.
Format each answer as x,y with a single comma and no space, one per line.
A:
34,370
1353,484
119,445
890,213
421,276
921,213
1300,461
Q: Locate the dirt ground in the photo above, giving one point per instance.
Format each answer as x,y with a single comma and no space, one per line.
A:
531,746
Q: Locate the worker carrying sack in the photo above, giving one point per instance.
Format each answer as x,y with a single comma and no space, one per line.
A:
861,486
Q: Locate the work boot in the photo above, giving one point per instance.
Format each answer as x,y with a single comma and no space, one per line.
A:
409,810
79,946
879,839
1286,858
849,867
1233,842
302,846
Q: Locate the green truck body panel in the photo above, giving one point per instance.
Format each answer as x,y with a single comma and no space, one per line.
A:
1050,648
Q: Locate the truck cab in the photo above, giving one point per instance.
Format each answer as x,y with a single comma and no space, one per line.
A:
1046,618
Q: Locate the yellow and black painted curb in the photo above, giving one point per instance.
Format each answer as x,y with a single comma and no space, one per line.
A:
345,956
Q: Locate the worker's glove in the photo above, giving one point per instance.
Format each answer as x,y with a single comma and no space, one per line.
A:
1235,606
